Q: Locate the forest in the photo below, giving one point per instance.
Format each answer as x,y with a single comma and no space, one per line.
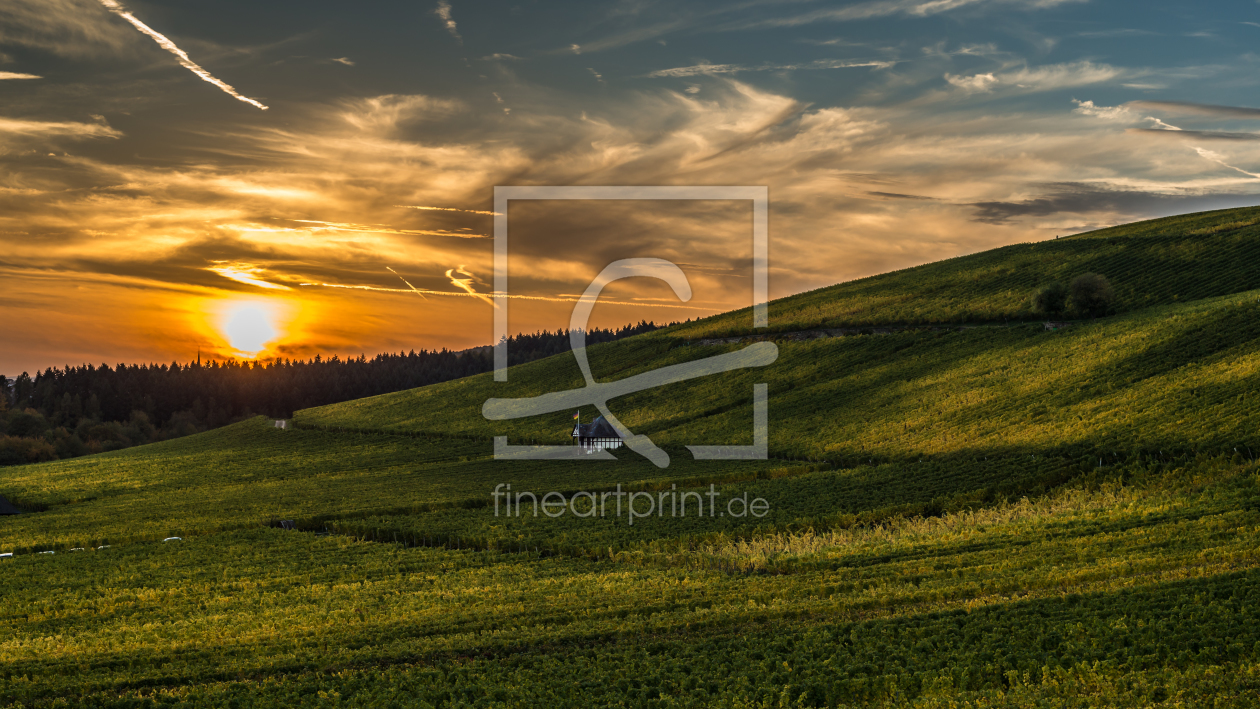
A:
66,413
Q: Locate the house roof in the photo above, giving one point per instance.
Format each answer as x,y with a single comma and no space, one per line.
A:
8,509
599,428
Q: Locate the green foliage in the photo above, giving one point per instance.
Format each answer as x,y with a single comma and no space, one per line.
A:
16,450
1091,294
1050,299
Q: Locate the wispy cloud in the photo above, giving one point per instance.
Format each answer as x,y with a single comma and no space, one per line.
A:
887,8
445,209
4,75
343,60
15,126
1089,108
1125,113
244,273
501,58
701,69
1120,32
181,55
1042,78
443,12
976,83
371,229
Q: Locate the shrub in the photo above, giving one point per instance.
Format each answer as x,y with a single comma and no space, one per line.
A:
26,424
16,451
1050,299
71,447
1090,294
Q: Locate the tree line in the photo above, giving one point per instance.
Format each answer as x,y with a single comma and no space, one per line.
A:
64,413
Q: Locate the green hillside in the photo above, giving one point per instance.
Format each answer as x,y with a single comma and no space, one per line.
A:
1157,262
1173,378
986,516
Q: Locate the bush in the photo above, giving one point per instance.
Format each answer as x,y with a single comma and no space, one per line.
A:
71,447
1090,294
16,451
1050,299
26,424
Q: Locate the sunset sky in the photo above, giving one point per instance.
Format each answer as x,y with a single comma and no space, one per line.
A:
297,178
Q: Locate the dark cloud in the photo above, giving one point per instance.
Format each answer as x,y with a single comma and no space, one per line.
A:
894,195
1201,109
1069,198
1197,134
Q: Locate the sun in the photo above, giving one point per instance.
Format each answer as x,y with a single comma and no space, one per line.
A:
249,326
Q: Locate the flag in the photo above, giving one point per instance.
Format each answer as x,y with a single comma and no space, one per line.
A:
577,415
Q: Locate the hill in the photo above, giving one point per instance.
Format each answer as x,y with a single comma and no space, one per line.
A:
1168,378
989,515
1156,262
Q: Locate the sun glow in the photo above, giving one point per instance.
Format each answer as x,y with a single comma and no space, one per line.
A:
249,326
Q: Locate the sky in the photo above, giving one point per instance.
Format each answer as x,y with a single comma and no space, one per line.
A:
285,179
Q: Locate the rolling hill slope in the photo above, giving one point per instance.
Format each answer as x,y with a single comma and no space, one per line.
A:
992,515
1156,262
1170,378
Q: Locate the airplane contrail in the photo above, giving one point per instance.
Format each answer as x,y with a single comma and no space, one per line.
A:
483,296
404,280
184,60
446,209
466,284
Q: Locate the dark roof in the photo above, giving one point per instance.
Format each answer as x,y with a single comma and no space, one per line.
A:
599,428
8,509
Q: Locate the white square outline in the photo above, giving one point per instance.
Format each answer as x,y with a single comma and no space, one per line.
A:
760,196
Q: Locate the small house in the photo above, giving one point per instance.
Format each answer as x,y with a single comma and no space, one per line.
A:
598,434
6,508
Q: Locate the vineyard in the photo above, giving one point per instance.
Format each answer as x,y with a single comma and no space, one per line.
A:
995,515
1176,378
1150,263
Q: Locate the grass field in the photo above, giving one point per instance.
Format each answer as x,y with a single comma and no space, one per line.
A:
1150,263
994,516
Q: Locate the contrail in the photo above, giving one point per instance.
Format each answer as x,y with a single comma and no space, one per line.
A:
446,209
1220,160
404,280
168,45
466,283
369,229
549,299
